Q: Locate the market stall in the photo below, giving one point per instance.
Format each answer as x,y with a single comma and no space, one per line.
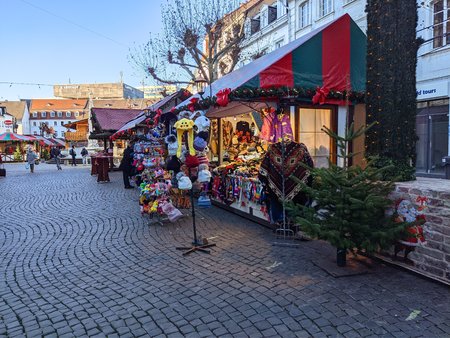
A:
267,117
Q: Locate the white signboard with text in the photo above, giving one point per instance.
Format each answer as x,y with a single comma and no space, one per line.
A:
432,90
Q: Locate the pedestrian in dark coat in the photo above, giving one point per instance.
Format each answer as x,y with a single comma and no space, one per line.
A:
126,165
73,153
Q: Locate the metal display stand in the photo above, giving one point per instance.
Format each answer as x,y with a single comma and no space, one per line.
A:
197,245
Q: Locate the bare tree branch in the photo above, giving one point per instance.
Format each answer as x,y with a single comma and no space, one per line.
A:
199,37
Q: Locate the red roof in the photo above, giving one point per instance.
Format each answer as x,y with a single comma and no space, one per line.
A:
57,104
113,119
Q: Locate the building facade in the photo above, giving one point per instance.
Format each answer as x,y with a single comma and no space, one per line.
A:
117,90
274,23
19,116
48,116
155,93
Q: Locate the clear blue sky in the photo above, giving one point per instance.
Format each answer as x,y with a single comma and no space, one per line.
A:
39,47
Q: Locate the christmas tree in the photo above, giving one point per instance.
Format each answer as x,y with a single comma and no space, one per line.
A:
348,203
18,155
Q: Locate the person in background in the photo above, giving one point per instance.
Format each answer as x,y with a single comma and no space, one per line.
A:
31,159
84,154
73,153
56,154
126,165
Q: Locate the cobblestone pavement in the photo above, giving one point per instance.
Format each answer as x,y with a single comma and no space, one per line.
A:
77,259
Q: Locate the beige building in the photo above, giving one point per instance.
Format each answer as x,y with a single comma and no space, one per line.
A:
117,90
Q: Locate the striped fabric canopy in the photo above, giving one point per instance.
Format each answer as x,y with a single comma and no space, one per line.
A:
13,137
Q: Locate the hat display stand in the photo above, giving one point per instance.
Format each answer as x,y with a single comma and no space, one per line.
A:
197,244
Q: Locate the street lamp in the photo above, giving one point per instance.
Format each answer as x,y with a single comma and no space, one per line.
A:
200,84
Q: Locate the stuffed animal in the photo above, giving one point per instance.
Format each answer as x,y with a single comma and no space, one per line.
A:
182,126
202,123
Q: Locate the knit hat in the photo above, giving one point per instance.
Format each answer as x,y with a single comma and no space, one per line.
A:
199,144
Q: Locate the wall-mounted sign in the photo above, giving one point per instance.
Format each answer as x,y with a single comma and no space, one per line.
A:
432,90
8,122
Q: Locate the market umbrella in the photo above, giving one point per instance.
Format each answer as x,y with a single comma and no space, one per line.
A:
13,137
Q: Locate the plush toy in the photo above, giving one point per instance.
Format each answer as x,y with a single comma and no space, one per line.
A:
182,126
202,123
184,183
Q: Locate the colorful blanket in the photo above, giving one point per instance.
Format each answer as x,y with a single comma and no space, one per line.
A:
277,165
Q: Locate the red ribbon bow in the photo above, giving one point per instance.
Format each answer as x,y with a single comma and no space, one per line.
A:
191,106
222,97
321,95
421,199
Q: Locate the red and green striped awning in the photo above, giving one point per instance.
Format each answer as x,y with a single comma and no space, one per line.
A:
333,58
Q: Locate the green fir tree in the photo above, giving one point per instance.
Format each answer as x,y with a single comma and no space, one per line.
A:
18,155
348,203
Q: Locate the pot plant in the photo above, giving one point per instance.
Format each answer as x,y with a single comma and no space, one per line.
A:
348,203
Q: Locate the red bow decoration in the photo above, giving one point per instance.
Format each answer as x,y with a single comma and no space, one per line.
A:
320,96
157,116
173,110
191,106
222,97
421,199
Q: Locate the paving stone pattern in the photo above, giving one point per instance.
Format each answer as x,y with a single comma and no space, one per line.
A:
77,259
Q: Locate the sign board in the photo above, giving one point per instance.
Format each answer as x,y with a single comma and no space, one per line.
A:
8,122
432,90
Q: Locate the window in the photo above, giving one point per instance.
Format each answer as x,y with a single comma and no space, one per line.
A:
60,114
62,134
35,114
320,145
255,25
67,113
44,114
55,123
34,124
325,7
52,114
441,23
272,10
303,14
55,134
77,114
278,44
62,122
34,132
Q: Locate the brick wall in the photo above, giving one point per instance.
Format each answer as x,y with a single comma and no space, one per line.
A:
433,258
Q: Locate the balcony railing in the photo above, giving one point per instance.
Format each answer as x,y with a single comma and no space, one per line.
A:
75,136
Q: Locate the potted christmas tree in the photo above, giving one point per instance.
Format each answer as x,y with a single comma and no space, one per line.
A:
348,204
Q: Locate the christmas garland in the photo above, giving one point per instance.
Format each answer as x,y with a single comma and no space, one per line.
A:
317,96
223,97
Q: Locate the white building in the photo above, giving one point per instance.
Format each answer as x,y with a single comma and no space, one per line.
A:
53,114
19,116
272,24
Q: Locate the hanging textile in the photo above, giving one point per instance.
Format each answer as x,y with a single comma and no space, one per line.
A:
275,167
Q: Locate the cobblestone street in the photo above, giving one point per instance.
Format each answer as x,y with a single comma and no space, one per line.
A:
77,259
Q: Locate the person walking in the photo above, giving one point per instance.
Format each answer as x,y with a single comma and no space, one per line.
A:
126,165
73,153
31,159
84,154
57,157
